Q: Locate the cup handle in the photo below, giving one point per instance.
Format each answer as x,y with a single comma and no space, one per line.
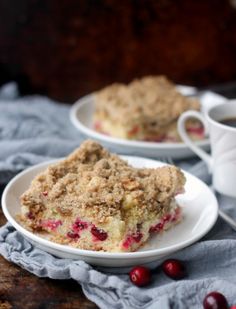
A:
184,135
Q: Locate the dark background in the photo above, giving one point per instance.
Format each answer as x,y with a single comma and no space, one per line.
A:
68,48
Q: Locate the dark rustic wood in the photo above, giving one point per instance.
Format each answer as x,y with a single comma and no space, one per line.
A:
20,289
69,48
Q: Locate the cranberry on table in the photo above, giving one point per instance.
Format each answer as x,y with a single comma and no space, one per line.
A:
140,275
215,300
174,269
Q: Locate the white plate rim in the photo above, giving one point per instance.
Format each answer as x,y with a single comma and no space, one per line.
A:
99,254
88,99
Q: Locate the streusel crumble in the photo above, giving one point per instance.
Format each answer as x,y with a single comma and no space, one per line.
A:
146,109
94,200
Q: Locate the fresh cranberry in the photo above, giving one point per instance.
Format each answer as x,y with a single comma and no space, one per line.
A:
174,269
167,218
99,233
156,228
130,239
128,242
140,275
30,215
137,236
196,130
79,225
215,300
97,125
233,307
155,139
134,130
72,235
52,224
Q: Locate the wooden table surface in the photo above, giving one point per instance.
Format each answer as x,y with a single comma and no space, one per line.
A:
21,289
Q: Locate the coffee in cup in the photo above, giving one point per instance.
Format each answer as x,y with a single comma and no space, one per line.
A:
220,124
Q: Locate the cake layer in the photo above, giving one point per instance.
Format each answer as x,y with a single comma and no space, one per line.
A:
94,200
146,109
166,134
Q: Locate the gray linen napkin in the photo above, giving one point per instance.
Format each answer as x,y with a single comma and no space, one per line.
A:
34,129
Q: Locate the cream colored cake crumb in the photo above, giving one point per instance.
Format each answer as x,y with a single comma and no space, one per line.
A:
94,200
145,109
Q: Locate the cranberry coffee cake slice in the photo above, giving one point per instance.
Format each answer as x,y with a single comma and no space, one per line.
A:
146,109
94,200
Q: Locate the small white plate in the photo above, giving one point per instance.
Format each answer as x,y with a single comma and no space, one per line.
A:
81,115
199,205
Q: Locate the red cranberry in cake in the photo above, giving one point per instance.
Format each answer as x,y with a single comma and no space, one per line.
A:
79,225
30,215
50,224
132,239
96,201
72,235
146,109
98,233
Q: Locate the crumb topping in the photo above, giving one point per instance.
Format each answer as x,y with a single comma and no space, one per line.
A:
152,101
101,185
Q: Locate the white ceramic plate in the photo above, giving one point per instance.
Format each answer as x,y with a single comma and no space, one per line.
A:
81,115
199,207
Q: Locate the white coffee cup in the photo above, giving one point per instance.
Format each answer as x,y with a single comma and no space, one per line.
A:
222,162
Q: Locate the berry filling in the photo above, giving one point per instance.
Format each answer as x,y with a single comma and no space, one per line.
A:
97,125
73,235
137,236
196,130
99,234
157,228
79,225
51,224
131,239
167,218
30,215
133,131
155,139
160,226
162,138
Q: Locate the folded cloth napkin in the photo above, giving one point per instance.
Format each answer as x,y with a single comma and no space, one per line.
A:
34,129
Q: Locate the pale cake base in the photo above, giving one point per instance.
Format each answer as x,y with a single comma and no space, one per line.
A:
94,200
